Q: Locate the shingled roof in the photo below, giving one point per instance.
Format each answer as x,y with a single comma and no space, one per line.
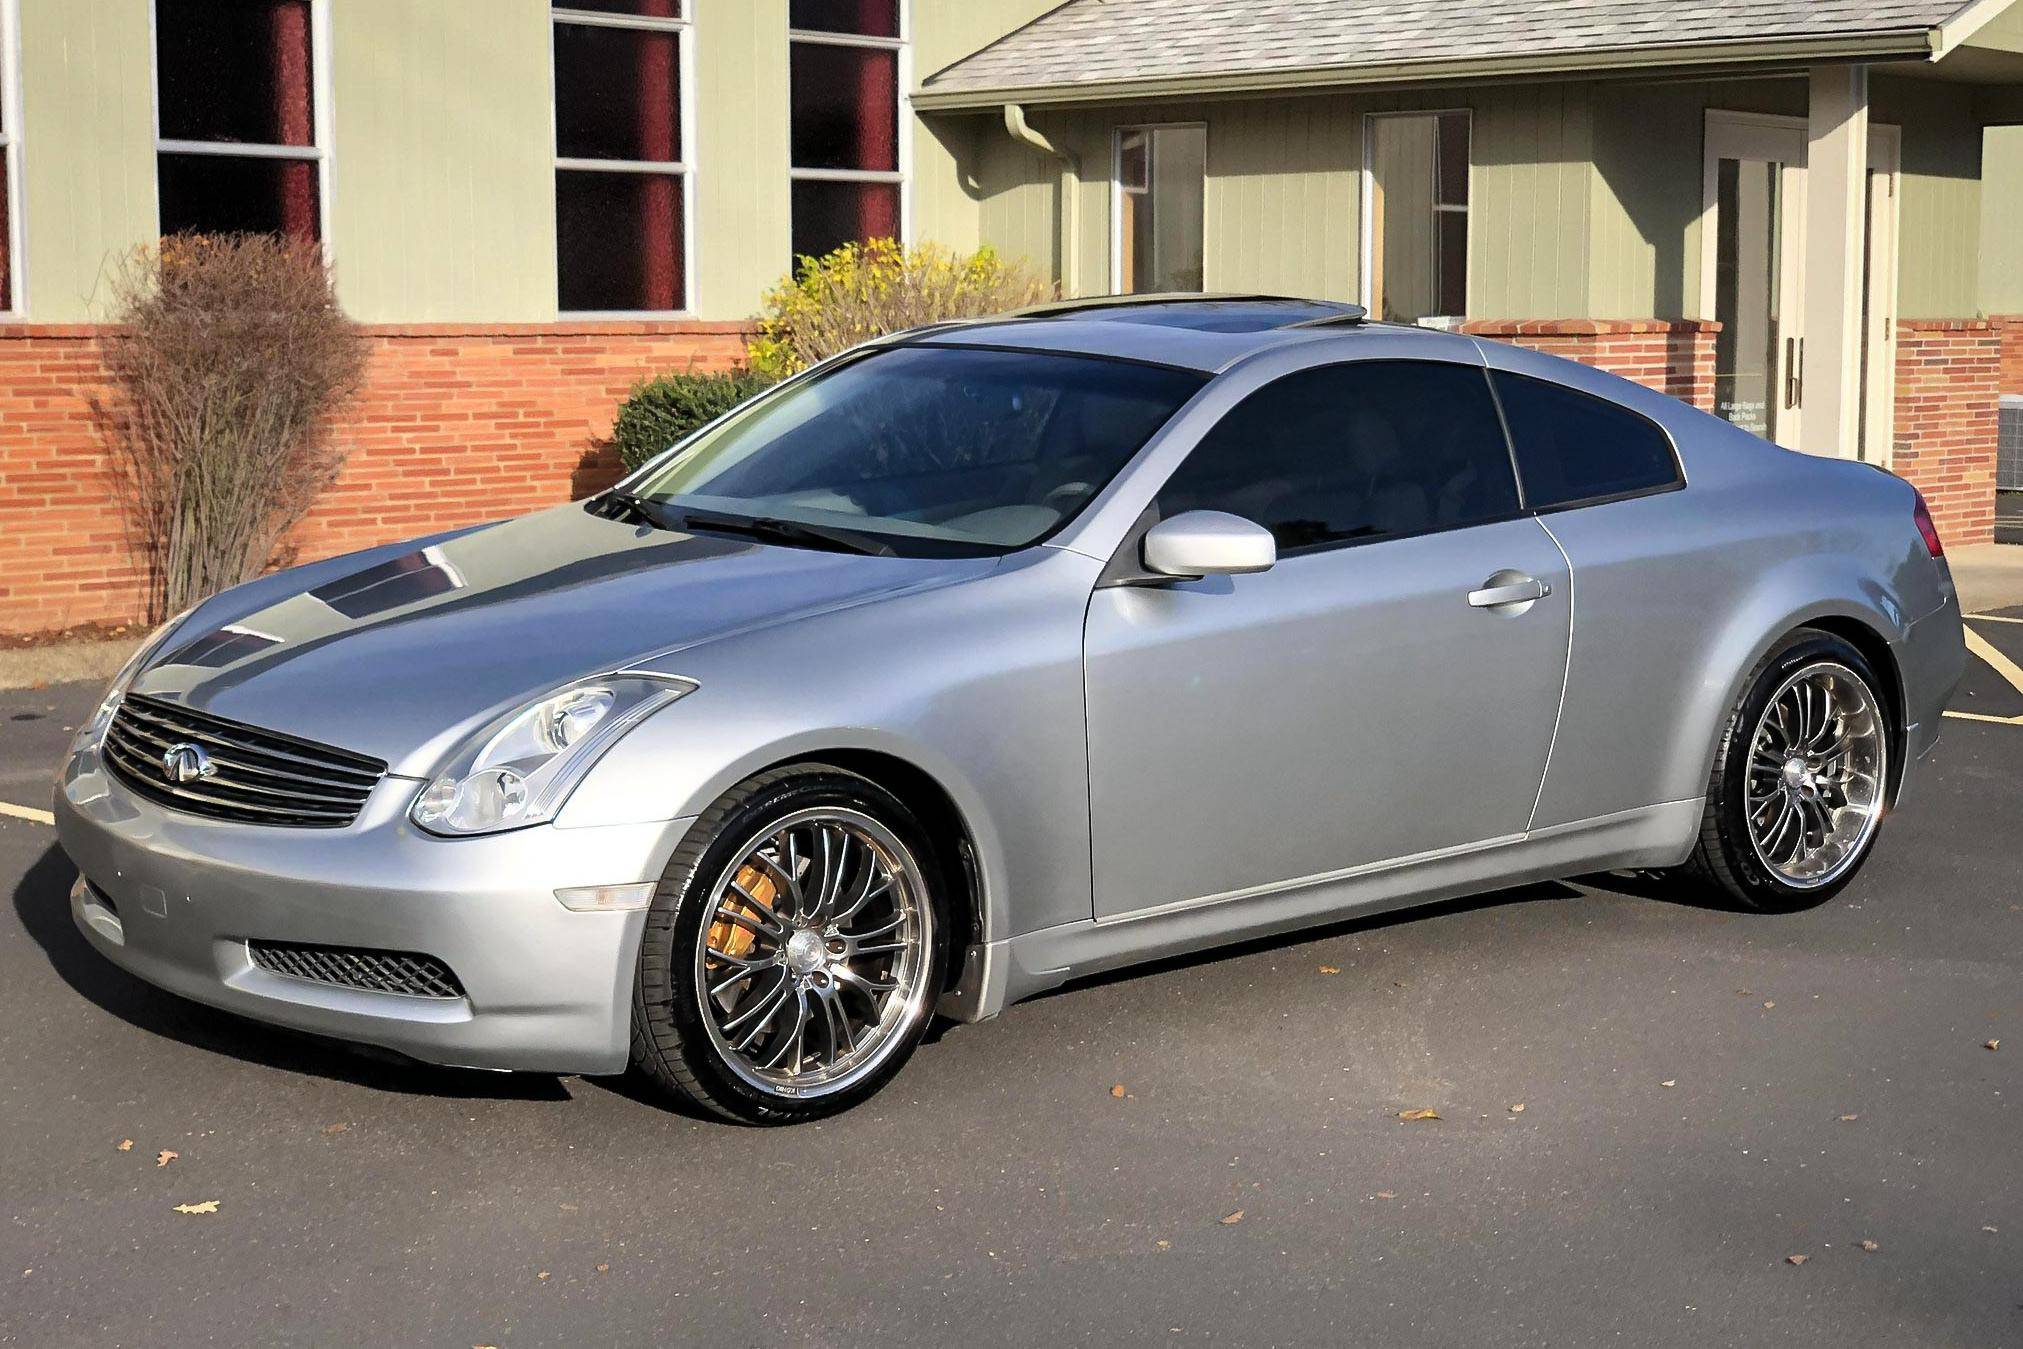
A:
1094,45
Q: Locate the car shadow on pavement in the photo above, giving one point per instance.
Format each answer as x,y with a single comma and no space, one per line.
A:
42,903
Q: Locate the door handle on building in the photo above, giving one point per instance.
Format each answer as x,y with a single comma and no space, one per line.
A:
1794,371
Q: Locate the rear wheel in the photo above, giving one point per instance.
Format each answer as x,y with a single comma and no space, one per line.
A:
793,949
1801,779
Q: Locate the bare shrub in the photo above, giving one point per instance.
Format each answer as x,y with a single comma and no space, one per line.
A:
228,361
866,290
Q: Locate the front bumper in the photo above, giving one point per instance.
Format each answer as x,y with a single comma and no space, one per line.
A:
545,989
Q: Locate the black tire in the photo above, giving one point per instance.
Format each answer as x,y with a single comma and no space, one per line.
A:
1726,861
671,1045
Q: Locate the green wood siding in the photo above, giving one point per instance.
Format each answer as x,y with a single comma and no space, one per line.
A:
2001,210
742,193
442,193
87,160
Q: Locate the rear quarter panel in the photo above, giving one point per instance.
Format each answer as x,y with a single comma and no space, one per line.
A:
1676,597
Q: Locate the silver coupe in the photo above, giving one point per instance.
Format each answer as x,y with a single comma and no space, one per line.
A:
995,654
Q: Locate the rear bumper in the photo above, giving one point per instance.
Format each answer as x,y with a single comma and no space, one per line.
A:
1931,661
174,899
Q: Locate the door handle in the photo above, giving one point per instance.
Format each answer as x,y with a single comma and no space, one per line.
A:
1522,590
1794,371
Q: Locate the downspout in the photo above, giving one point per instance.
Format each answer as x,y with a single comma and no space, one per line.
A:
1071,191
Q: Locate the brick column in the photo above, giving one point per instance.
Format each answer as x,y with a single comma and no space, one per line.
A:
1948,419
1673,356
2009,328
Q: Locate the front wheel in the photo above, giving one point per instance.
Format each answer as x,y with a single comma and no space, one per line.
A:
793,950
1801,780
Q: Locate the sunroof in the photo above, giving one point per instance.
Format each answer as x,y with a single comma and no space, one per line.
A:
1246,315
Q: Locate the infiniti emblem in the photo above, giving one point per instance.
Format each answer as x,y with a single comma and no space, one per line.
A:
186,763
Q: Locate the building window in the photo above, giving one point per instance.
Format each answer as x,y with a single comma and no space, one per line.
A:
622,189
1159,208
235,109
1415,216
9,174
845,76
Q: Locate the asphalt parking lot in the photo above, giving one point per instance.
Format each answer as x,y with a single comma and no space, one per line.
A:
1705,1097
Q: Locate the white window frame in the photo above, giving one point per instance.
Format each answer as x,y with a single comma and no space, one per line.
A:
902,110
10,155
1117,134
317,153
684,169
1367,187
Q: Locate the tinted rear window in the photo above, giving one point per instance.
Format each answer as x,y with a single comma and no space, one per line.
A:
1572,447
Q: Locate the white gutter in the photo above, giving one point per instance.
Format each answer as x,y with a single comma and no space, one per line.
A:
1071,192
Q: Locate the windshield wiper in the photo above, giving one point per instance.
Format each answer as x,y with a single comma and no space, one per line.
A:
794,533
627,507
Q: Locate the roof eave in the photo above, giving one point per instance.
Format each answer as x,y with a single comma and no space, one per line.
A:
1918,43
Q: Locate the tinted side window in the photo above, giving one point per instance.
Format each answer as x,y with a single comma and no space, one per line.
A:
1573,447
1357,451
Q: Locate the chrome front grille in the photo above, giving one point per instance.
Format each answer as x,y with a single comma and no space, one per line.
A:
253,776
403,972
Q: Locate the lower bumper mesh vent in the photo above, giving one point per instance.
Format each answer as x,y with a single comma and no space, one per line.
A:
403,972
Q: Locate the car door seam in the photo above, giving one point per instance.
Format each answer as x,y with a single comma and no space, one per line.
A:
1565,678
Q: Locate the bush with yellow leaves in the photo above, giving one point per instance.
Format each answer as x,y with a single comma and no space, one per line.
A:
865,290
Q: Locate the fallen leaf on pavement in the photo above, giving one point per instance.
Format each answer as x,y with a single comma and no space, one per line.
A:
126,1145
1768,1005
1669,1082
1118,1091
1386,1194
1994,1044
165,1157
1868,1245
1331,969
1796,1259
1849,1119
1232,1220
335,1128
208,1206
1517,1109
542,1275
1989,1227
1163,1245
1410,1115
604,1269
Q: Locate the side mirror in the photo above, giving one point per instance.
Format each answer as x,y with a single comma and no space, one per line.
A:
1208,543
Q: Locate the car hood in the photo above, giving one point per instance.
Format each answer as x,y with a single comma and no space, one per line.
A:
399,652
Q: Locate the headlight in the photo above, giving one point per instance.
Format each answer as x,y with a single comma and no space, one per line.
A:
519,770
94,729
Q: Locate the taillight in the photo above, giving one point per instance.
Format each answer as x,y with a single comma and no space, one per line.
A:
1923,515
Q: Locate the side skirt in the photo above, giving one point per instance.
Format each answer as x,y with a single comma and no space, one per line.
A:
997,974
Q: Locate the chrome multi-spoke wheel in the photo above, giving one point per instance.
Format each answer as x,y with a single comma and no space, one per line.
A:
813,952
1815,777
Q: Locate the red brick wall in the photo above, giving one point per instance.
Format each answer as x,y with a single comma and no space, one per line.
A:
456,425
1671,356
1948,415
2010,329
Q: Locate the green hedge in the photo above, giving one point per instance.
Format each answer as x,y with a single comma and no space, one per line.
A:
664,410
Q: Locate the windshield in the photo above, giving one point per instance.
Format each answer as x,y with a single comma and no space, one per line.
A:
926,449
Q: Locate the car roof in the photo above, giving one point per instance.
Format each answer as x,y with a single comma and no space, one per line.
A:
1207,333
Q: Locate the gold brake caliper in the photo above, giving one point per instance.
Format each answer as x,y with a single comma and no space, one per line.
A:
734,939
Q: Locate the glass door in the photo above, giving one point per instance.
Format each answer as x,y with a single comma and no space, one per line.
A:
1753,271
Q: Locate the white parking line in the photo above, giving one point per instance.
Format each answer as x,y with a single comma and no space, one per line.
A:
26,813
1996,661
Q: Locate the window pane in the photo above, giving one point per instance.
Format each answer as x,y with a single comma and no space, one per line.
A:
1163,177
225,194
235,70
6,240
1453,262
829,215
846,107
867,18
617,93
645,9
1573,447
619,240
1454,159
1361,451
